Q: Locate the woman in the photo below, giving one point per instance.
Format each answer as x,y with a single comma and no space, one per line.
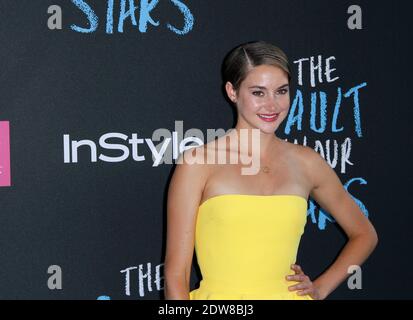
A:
246,228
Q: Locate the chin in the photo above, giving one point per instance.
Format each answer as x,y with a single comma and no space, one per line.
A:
268,130
267,127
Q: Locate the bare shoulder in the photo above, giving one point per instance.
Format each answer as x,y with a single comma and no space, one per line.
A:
300,152
191,170
307,155
310,161
316,166
193,161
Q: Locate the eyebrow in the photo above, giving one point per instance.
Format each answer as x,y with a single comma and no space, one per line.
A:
261,87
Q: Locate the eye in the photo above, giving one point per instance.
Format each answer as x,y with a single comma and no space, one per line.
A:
283,91
257,93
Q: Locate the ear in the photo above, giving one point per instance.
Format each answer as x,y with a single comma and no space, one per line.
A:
232,94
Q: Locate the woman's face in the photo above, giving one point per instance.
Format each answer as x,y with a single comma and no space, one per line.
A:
263,99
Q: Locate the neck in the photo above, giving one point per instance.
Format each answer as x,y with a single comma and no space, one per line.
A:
254,140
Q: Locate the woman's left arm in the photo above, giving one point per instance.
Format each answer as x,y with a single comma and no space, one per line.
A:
328,191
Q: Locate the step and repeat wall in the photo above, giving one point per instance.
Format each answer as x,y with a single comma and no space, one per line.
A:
99,97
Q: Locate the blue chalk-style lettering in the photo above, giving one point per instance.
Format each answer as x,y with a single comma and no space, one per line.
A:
145,17
357,119
295,115
292,117
324,216
103,298
336,111
124,14
90,14
127,10
188,17
359,203
109,17
323,112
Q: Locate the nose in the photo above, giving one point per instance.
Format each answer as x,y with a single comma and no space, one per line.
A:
272,105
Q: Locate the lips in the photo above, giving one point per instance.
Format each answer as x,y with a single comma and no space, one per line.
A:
268,117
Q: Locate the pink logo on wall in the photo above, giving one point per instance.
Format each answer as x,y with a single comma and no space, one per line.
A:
5,178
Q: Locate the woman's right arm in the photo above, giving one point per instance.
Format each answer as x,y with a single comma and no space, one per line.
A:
184,195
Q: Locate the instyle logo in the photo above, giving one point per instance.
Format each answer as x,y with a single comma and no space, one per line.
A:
5,178
171,146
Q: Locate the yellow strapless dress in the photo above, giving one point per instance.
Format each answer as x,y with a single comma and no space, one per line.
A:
245,245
